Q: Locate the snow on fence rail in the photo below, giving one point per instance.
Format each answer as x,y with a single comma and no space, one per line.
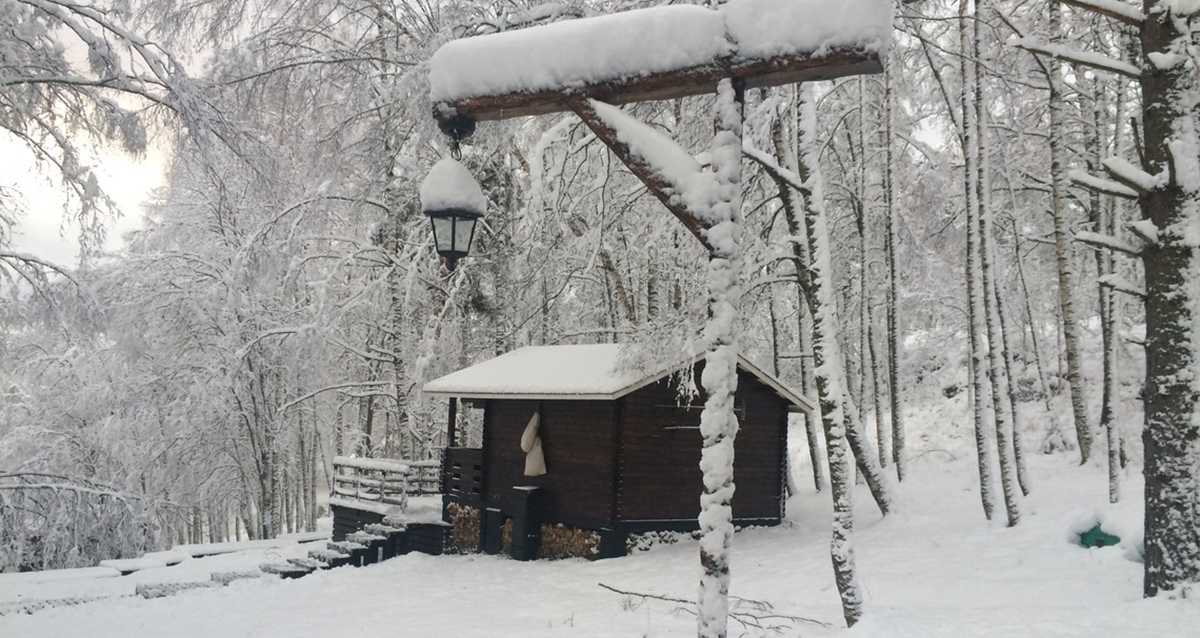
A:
384,482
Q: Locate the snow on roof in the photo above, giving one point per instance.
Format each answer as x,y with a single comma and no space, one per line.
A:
569,372
618,46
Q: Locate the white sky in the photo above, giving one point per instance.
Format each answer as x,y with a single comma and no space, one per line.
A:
44,230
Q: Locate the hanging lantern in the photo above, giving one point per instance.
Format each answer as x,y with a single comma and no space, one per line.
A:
453,200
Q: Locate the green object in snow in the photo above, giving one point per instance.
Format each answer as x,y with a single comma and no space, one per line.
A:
1097,537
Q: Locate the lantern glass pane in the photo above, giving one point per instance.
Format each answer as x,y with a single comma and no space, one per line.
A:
443,233
463,231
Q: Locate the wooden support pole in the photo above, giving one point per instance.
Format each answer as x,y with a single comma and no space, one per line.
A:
452,424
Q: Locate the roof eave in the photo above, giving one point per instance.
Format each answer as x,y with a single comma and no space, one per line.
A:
797,403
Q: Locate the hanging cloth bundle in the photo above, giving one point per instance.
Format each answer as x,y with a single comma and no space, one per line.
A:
531,444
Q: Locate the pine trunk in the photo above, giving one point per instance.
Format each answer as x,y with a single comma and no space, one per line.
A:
1170,114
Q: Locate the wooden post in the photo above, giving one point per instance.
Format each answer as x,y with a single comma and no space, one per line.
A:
612,543
491,531
718,421
451,426
527,522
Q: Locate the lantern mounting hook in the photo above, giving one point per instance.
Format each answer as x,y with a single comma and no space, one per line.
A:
457,128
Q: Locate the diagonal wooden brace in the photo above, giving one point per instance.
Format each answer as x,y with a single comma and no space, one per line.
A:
639,167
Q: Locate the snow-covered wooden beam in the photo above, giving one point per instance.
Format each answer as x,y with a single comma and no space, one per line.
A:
1077,57
1115,9
659,53
697,80
638,164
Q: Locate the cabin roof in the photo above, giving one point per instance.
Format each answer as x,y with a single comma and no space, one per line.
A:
574,373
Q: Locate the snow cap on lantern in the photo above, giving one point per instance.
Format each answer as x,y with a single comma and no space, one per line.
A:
452,199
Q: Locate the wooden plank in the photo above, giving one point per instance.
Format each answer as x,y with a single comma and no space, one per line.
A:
699,80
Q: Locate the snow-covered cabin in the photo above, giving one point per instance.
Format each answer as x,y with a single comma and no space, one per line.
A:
612,450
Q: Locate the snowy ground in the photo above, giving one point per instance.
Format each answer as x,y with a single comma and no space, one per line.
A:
935,568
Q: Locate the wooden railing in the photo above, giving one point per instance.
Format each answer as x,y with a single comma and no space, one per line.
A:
463,476
384,482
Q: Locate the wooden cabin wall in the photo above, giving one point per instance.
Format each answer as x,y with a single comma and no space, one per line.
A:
760,452
578,438
660,475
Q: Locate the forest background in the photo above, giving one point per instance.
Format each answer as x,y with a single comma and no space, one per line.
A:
282,303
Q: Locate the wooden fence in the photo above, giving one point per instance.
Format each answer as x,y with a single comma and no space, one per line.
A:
384,482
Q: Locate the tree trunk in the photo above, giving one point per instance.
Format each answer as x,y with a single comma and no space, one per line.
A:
791,214
830,372
881,430
1102,223
812,425
1001,405
1033,331
995,347
893,296
1017,445
975,309
1063,249
1170,118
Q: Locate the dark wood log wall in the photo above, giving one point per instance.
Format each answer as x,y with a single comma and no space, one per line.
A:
657,482
577,439
660,477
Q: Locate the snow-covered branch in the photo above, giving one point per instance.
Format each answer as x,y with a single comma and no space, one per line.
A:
1120,284
1144,229
1101,185
1107,242
1126,173
340,386
1114,9
1075,56
777,172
